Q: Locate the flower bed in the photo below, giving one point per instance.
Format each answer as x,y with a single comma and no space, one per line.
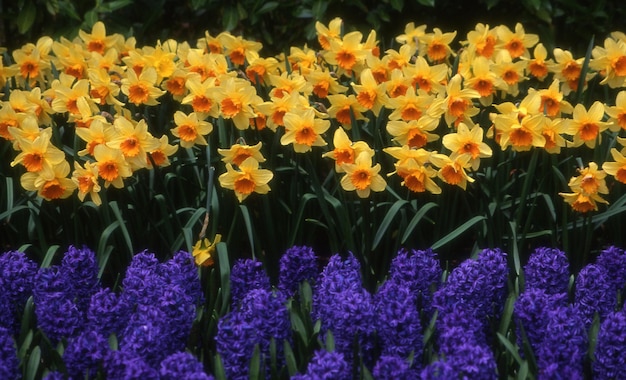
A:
222,155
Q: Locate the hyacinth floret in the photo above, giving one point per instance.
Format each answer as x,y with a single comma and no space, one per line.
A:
337,276
477,285
268,313
9,363
247,274
594,293
530,312
394,367
182,365
179,311
398,325
234,342
326,365
17,274
142,283
58,316
128,365
565,345
419,271
547,269
297,264
181,270
84,354
148,335
457,326
613,259
107,313
610,353
80,268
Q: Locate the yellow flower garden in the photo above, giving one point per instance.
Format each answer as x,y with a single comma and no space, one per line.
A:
97,85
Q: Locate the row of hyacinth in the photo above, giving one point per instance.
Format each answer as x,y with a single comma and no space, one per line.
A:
567,326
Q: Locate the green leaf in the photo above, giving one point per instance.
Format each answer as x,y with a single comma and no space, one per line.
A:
220,373
389,217
106,234
249,228
230,18
397,4
32,367
268,7
49,256
290,359
428,3
118,215
255,364
510,348
457,231
416,219
26,17
224,265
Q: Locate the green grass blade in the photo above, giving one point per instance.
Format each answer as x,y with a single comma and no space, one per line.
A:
386,222
419,215
457,231
249,228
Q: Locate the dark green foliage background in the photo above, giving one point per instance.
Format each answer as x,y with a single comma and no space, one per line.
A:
281,24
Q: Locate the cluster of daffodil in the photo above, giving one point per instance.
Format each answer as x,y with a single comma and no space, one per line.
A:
94,81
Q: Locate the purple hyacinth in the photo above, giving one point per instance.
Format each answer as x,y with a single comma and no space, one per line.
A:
182,365
263,317
247,274
180,312
107,313
297,264
477,285
610,351
394,367
142,283
235,341
58,316
547,269
344,307
531,313
438,370
594,293
55,375
9,364
181,270
456,327
128,365
148,335
84,354
420,272
17,274
326,365
398,324
473,361
613,259
80,269
564,346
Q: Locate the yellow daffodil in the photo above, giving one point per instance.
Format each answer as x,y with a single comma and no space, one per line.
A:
236,97
342,107
417,177
86,180
369,93
160,155
553,103
452,169
617,113
39,156
482,40
240,152
511,72
235,47
583,203
112,167
410,106
259,68
97,40
134,141
516,43
190,130
247,179
436,46
204,251
586,125
426,77
200,96
412,35
590,180
324,83
56,187
142,89
346,52
553,131
362,176
304,130
485,81
457,105
325,34
397,85
66,97
98,132
468,141
345,151
414,133
522,134
610,61
616,168
538,65
277,107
